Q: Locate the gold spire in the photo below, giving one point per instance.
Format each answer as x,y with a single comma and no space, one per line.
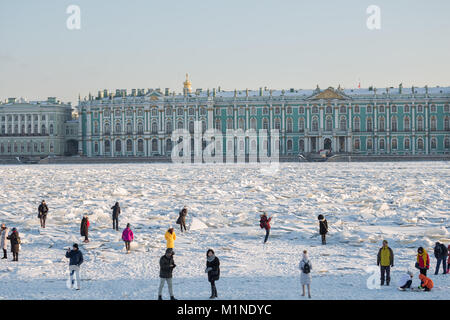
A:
187,84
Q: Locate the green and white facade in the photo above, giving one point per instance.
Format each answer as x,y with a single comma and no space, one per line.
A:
401,121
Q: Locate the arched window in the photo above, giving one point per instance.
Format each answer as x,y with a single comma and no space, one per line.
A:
394,143
356,124
42,147
107,146
447,143
420,124
394,124
406,144
218,124
51,128
301,145
191,126
107,128
315,124
289,145
289,110
381,144
16,149
129,128
433,123
253,123
289,125
357,144
43,129
420,144
118,146
140,145
315,109
433,143
265,124
277,124
406,123
129,145
95,147
229,123
329,123
168,145
154,127
381,124
446,124
301,124
241,124
140,128
343,124
342,109
329,110
180,125
118,128
154,145
369,144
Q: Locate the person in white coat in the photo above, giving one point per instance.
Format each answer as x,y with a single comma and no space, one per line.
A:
405,281
3,242
305,276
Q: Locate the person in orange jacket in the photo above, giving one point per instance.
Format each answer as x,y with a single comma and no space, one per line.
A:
423,261
426,284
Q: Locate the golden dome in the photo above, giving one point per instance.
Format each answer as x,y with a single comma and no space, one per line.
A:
187,84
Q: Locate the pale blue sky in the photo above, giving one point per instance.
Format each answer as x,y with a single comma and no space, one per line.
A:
232,44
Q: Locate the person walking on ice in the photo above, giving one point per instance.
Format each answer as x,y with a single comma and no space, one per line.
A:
166,265
170,238
305,267
405,281
182,218
42,213
76,259
264,223
440,253
115,216
84,228
323,228
3,242
127,237
15,243
213,271
385,259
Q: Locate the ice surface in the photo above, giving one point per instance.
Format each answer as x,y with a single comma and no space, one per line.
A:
405,203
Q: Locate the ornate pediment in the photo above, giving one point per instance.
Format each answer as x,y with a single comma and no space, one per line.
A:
329,94
154,95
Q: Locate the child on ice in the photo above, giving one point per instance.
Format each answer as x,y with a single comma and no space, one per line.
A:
405,281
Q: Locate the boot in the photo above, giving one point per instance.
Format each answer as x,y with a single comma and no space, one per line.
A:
172,298
387,282
382,282
159,297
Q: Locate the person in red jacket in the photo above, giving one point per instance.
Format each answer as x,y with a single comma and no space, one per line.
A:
84,228
423,261
264,223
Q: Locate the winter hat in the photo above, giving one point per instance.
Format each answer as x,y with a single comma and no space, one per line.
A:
170,250
320,217
75,245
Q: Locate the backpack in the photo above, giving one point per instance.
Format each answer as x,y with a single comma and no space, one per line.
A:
444,251
306,268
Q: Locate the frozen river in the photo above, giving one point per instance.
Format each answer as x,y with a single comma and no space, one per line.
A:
406,203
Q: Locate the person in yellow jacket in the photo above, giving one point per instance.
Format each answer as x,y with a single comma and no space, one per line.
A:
385,259
170,238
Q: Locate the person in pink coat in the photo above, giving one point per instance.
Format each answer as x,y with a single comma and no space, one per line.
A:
127,237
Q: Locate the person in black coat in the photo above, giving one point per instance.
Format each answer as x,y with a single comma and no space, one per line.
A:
15,243
166,265
213,270
323,228
76,259
84,228
115,216
182,219
42,213
440,253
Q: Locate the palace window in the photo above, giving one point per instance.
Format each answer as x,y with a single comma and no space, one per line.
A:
406,144
356,109
277,124
433,143
154,112
154,145
381,144
140,145
191,127
301,110
265,110
381,124
253,123
420,144
229,111
180,125
329,123
117,112
118,146
265,124
96,147
95,115
433,108
218,124
446,108
315,110
218,112
168,145
191,111
289,145
433,123
420,123
382,108
129,128
43,129
315,124
202,111
155,127
129,112
241,124
140,127
369,109
301,145
447,143
343,124
277,110
107,128
446,124
169,127
129,145
51,128
289,125
357,144
301,124
118,128
95,127
369,144
419,108
106,113
394,124
229,124
406,109
289,110
329,110
394,144
241,111
140,112
253,111
342,109
356,124
406,124
180,111
394,108
107,146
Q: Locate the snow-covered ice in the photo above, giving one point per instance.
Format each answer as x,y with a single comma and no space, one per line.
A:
406,203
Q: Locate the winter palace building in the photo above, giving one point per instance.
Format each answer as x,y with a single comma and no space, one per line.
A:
402,121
